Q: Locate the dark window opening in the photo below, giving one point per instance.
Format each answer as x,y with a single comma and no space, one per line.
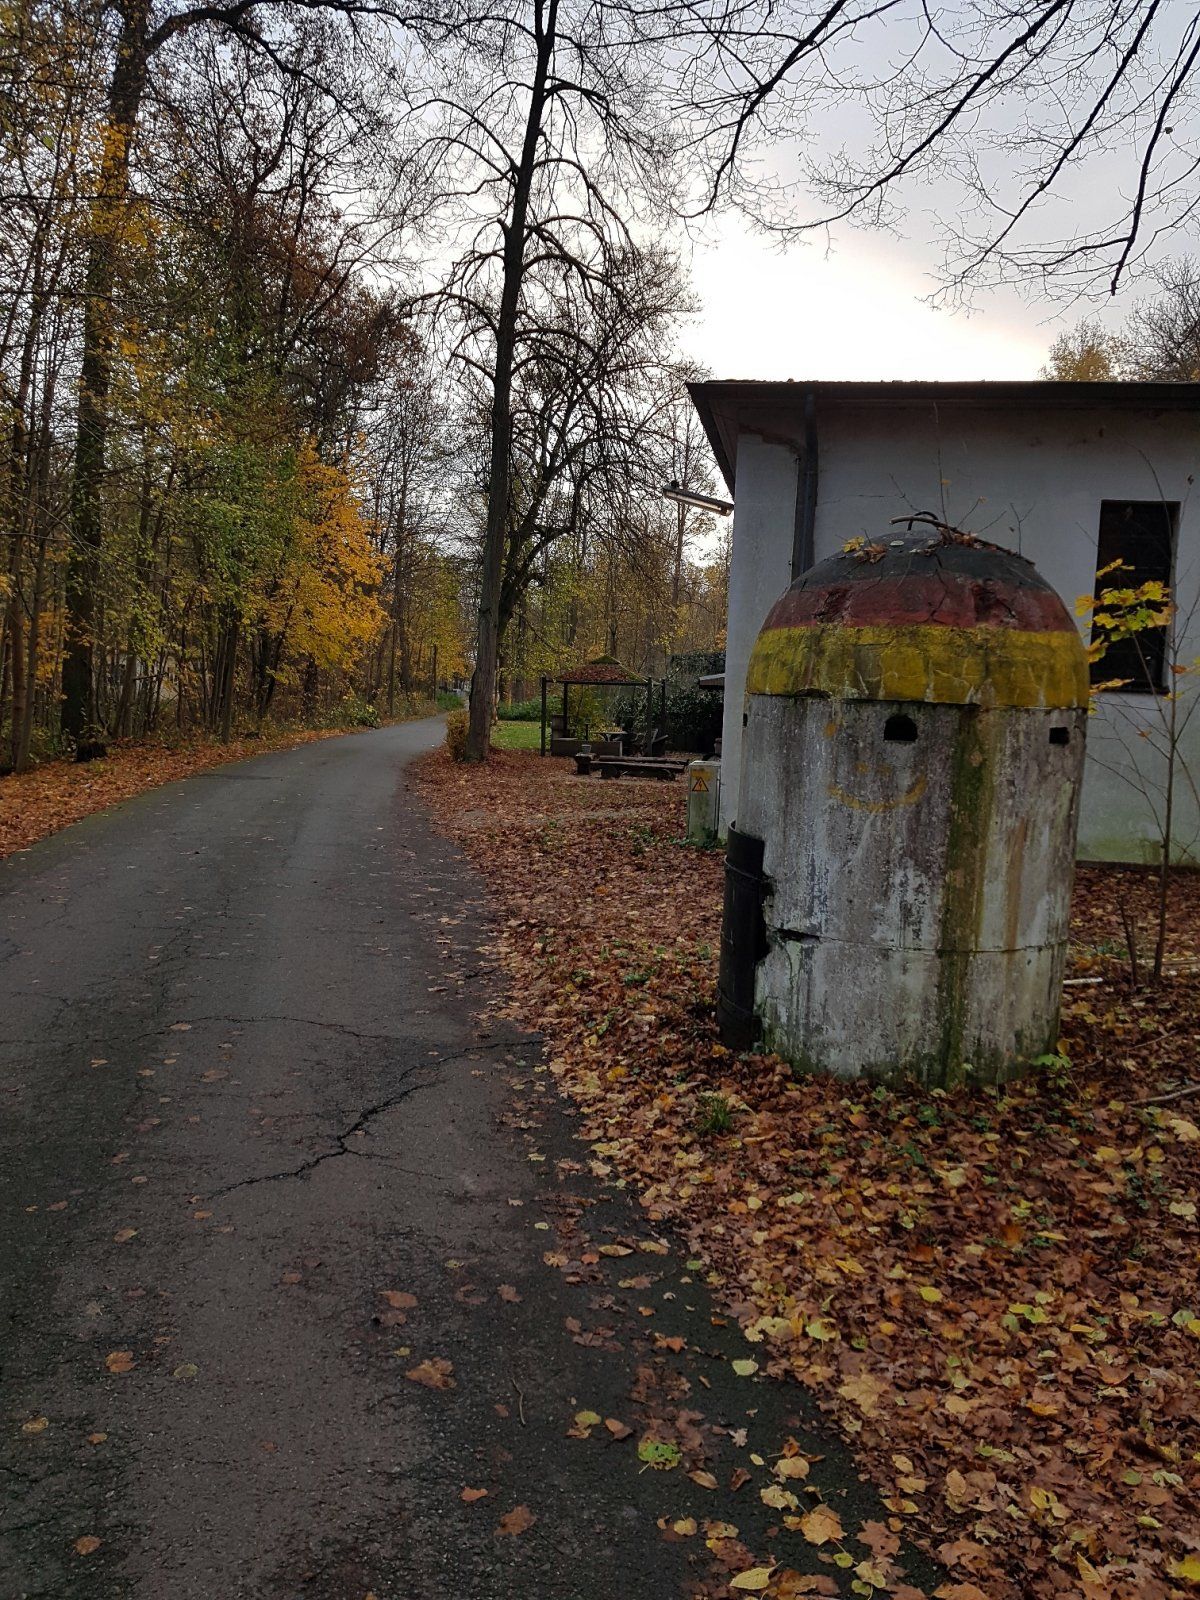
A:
899,729
1060,735
1141,535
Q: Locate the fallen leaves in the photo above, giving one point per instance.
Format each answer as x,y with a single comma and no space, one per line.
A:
118,1361
519,1520
435,1373
469,1496
753,1581
87,1545
993,1293
821,1525
660,1454
864,1391
35,1425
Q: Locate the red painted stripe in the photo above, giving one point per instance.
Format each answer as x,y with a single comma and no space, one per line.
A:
945,599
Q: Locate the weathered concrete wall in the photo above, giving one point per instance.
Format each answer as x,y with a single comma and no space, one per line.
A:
764,521
919,892
1032,481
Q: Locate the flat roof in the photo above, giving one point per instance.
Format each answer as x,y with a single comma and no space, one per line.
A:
720,402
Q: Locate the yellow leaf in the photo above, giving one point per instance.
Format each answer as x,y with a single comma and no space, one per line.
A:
1187,1568
821,1524
714,1532
778,1498
745,1368
929,1294
1087,1571
35,1425
753,1579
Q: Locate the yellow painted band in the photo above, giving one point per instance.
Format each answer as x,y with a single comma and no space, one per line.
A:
984,666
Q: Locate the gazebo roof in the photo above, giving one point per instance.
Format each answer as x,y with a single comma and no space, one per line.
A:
604,669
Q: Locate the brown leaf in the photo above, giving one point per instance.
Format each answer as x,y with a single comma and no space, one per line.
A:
435,1373
87,1545
471,1495
399,1299
507,1293
119,1361
519,1520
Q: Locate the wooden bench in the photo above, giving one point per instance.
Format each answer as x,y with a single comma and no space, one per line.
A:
638,767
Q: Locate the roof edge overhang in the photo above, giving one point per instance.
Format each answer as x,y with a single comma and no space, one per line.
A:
721,403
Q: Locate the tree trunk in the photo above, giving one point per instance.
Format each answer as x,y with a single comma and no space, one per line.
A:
79,713
20,681
228,671
487,642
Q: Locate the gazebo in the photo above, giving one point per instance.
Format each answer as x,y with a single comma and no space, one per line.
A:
605,672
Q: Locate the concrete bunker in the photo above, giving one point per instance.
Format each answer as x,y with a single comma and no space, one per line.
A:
899,874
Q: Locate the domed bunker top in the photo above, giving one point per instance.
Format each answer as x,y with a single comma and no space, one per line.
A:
947,619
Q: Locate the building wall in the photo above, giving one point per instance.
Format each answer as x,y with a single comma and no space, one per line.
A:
764,521
1030,480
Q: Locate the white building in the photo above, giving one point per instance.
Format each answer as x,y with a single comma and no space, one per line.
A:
1072,475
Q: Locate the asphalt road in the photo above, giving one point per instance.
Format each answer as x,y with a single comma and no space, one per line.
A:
262,1153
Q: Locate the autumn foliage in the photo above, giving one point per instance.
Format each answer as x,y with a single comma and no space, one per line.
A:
994,1294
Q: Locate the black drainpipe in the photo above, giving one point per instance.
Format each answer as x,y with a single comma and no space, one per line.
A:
806,492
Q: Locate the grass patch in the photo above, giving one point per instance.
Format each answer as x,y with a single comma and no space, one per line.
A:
517,735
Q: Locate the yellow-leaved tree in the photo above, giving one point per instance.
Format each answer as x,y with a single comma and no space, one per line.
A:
319,607
1132,624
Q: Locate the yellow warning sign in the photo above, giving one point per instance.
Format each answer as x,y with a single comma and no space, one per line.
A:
699,782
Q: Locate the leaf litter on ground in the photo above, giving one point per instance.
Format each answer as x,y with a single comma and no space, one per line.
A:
995,1294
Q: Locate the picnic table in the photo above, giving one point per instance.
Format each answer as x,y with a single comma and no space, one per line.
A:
660,767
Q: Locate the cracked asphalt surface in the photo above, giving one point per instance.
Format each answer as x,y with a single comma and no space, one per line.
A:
248,1083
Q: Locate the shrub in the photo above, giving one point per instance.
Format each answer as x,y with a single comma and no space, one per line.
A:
457,724
359,713
447,700
522,711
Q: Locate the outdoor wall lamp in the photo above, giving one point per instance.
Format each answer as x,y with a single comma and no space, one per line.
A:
703,502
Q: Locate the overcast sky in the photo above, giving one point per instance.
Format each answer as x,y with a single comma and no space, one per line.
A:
858,311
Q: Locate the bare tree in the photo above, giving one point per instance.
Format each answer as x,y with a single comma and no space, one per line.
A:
1029,112
544,128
